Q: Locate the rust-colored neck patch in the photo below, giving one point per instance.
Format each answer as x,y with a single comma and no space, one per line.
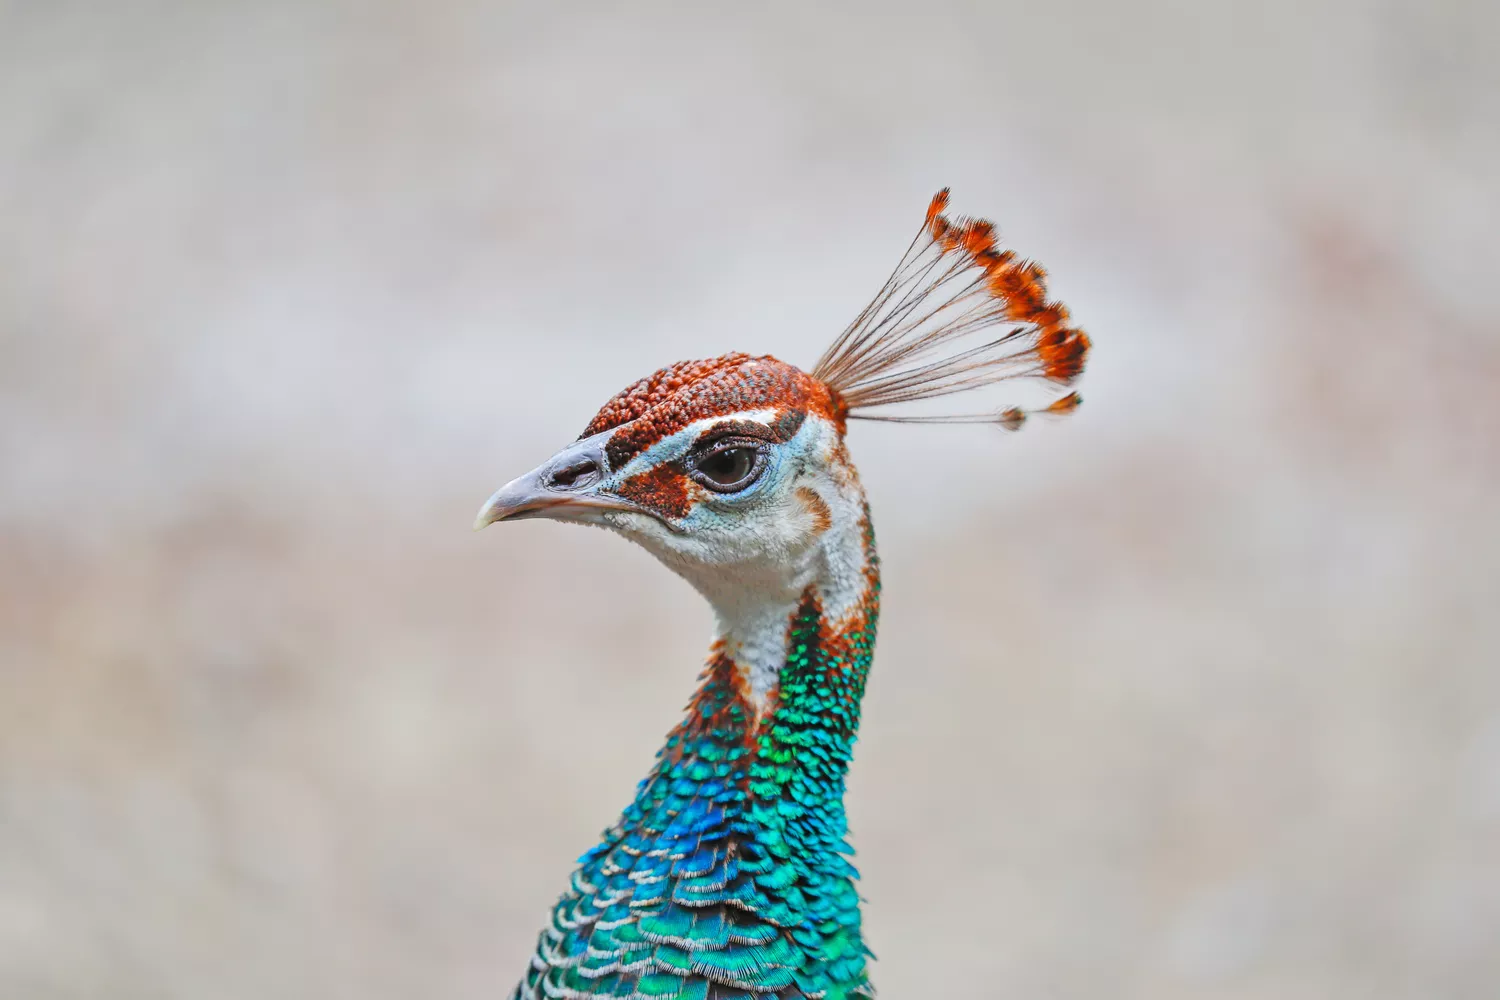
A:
816,507
721,707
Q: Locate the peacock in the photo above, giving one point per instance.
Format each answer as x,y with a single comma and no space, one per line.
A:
728,874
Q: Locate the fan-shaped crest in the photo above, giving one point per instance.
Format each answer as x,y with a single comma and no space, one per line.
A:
919,338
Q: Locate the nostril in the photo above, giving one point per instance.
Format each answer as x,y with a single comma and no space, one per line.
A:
575,476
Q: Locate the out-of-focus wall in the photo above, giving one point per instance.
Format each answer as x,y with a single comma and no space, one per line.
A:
1196,694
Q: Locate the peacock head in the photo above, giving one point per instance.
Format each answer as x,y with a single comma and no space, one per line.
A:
733,470
730,470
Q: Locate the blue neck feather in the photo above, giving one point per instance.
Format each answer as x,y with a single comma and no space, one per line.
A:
728,874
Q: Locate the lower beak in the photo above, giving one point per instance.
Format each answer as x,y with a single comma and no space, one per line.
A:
564,488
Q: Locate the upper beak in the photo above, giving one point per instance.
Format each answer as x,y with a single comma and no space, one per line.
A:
563,487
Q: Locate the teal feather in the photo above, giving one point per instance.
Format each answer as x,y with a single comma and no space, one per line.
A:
727,876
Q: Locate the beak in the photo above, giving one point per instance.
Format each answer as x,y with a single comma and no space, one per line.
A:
564,488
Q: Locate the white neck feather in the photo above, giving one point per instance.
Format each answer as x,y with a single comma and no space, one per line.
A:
754,605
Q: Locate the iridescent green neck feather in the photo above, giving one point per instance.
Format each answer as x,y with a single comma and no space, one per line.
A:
728,875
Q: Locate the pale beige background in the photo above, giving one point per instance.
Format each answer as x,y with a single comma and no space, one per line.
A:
1195,695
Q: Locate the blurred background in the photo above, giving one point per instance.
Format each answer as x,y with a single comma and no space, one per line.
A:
1192,695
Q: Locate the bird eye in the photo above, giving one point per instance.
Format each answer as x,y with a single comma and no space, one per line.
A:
728,468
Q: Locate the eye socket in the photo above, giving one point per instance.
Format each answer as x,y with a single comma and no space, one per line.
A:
729,466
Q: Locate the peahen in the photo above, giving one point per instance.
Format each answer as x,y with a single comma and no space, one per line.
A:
728,875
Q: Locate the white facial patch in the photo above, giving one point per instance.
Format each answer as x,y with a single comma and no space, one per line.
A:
754,557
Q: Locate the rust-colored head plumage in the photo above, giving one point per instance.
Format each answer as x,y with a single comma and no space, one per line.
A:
915,340
663,403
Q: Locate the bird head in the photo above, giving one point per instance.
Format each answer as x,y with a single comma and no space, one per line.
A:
730,470
733,471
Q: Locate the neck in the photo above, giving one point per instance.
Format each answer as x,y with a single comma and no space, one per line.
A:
788,742
795,660
730,865
756,607
787,672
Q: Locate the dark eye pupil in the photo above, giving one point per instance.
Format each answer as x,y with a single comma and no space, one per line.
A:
728,466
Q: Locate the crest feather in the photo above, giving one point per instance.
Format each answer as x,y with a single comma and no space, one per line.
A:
917,339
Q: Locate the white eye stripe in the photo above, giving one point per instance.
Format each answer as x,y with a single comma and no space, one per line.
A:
676,445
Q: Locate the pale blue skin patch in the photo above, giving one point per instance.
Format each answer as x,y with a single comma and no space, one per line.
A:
724,512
